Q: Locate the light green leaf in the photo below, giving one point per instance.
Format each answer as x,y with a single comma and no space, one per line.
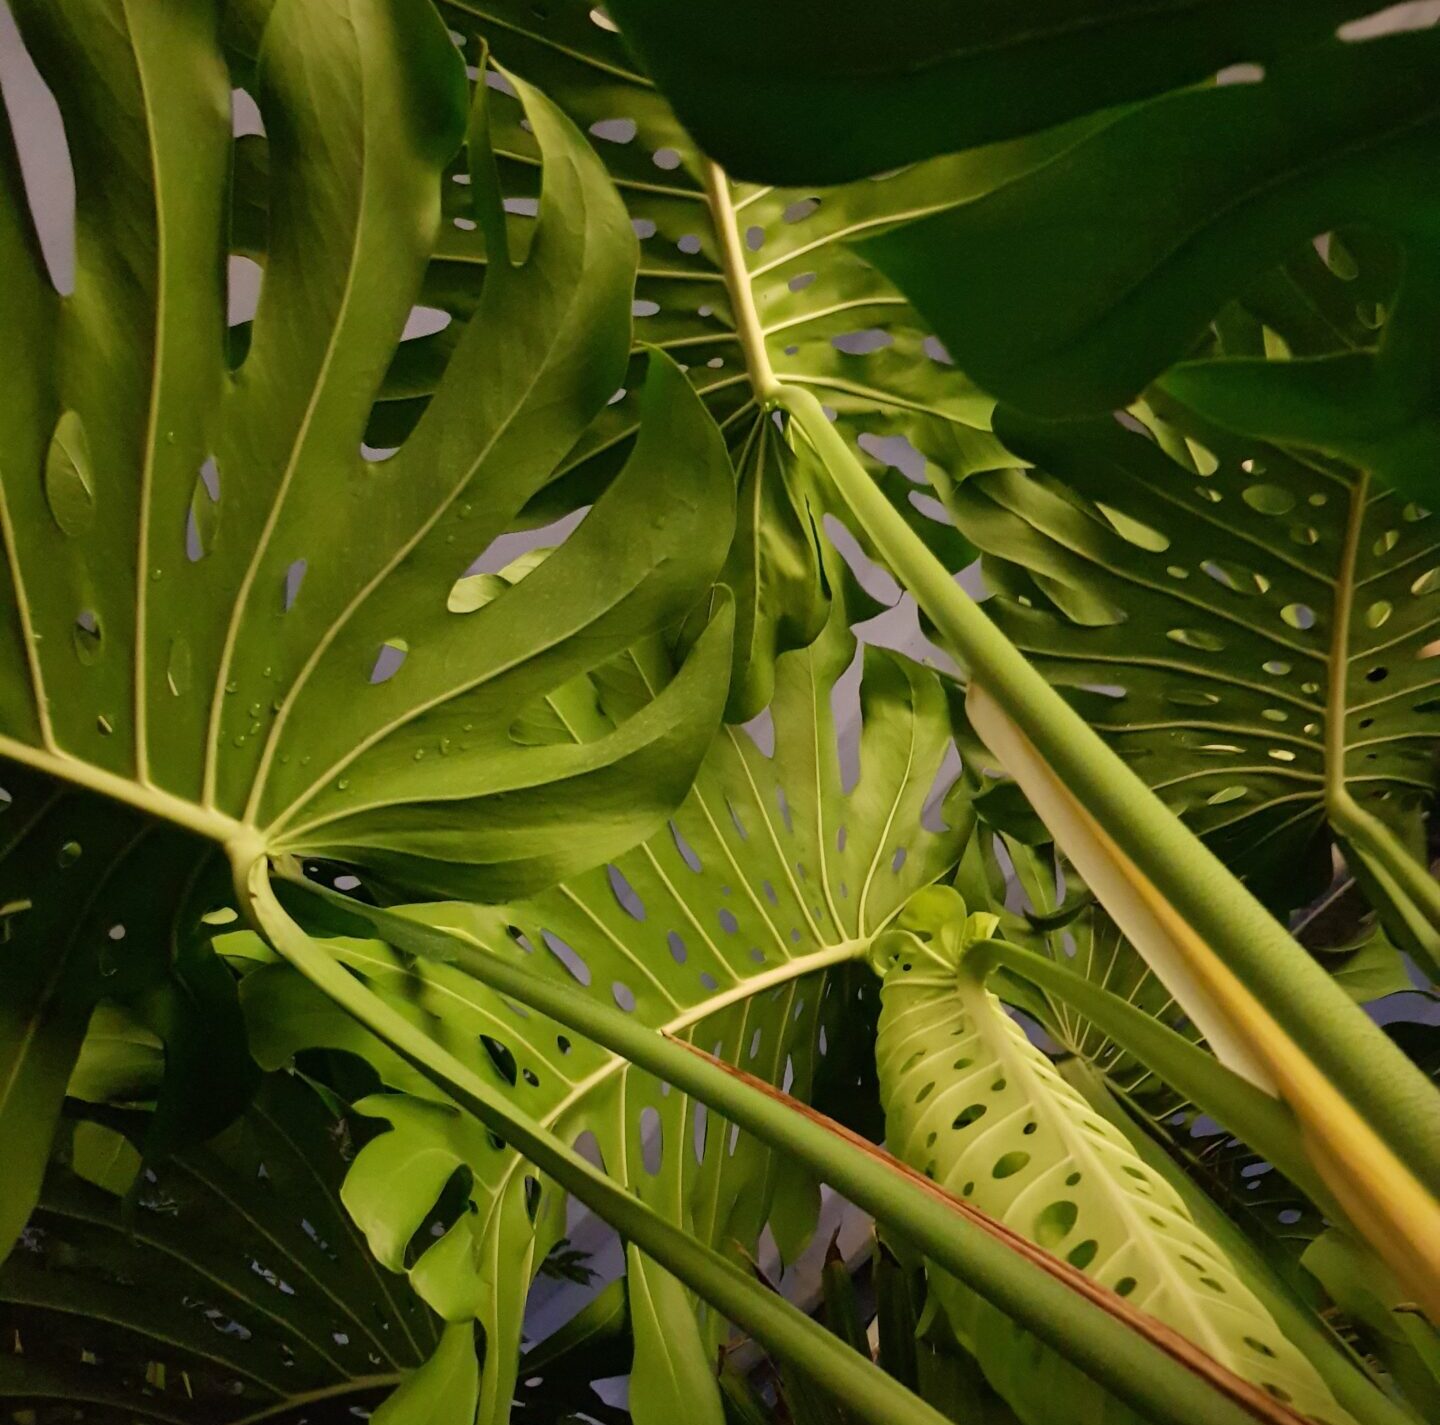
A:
981,1110
729,928
674,1375
213,654
718,261
443,1390
104,1157
120,1061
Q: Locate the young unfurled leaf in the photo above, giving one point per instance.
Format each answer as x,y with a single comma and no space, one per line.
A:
971,1102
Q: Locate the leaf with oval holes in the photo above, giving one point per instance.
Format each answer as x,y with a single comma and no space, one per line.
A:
734,927
233,1287
984,1113
208,578
820,307
1240,624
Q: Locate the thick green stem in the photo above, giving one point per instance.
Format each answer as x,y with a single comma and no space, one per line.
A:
1367,834
1094,1336
1370,1071
777,1325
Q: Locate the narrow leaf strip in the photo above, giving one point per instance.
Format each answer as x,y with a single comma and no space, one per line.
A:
779,1326
1137,1359
1374,1188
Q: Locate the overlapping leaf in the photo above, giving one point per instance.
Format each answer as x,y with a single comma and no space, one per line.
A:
840,90
1214,608
730,928
829,320
1254,170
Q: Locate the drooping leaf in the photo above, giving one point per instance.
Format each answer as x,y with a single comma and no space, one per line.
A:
839,91
1256,170
732,927
971,1101
284,676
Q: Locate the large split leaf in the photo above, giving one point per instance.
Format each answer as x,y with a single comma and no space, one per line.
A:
730,928
221,613
1215,610
232,1288
718,261
984,1112
840,90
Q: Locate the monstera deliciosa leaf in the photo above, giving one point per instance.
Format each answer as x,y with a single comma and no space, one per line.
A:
842,90
984,1112
731,928
1332,120
225,620
230,1286
733,279
1252,633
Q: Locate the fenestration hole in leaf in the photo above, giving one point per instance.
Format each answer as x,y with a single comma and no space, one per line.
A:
1054,1223
88,636
625,894
501,1058
425,321
862,343
388,659
1269,499
614,130
652,1139
566,956
1298,615
1197,638
294,577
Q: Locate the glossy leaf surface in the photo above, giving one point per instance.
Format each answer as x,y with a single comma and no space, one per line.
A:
732,927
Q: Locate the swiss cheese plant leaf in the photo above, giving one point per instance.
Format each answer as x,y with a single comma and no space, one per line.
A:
1252,632
233,1287
1253,170
971,1102
721,264
732,927
837,91
1090,944
223,613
